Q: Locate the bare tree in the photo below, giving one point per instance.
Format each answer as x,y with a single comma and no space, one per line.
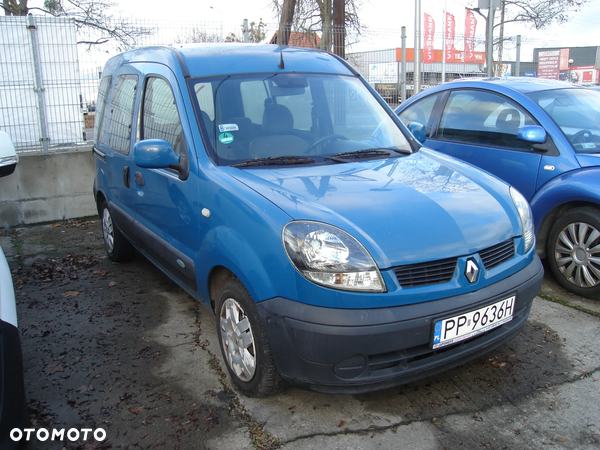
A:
15,7
539,14
286,19
94,22
256,34
196,35
317,15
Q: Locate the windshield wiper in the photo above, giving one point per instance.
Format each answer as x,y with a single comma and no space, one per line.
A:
275,161
371,153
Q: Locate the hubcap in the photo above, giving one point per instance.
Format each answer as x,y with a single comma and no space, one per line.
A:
107,230
238,340
577,254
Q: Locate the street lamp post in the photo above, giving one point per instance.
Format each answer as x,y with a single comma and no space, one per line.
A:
570,71
221,21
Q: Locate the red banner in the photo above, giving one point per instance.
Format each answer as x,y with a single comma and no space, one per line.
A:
470,25
450,31
429,32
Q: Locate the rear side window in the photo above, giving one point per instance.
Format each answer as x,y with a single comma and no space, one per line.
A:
121,113
101,103
160,114
483,118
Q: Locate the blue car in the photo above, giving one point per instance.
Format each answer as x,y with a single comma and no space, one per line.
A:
276,187
543,138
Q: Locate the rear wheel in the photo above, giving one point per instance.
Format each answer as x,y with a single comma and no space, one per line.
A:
574,251
117,246
244,342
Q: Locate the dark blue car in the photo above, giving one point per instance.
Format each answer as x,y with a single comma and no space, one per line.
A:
543,138
278,189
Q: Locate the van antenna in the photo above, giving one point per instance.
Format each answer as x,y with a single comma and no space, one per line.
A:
281,64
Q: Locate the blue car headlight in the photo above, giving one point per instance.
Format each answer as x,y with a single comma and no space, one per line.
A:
329,256
525,215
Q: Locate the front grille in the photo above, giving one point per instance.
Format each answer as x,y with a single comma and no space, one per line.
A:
426,273
497,254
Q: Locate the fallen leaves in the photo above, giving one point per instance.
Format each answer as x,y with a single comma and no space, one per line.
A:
70,294
53,368
136,410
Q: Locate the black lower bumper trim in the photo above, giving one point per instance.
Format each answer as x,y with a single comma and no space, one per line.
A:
353,351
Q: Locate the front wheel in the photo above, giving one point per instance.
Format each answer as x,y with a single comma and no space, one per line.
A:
244,342
574,251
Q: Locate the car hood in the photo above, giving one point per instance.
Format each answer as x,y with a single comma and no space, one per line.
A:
405,210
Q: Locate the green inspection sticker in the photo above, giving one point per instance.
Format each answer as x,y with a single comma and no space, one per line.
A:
225,138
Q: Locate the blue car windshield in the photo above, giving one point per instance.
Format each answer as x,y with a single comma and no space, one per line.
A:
314,116
576,112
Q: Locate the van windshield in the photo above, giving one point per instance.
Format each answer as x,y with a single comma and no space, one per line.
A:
245,118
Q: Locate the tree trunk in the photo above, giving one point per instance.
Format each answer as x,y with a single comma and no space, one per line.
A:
327,23
285,22
339,28
15,7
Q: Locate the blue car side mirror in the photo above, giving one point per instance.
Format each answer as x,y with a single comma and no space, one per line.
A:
419,131
154,154
533,134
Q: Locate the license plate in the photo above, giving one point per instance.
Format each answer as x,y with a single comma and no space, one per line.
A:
465,326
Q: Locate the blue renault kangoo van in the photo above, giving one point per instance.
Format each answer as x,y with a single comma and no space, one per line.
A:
278,189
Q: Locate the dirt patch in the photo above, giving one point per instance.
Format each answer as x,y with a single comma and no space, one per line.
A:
88,330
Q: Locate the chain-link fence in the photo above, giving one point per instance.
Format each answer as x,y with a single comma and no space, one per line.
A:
49,81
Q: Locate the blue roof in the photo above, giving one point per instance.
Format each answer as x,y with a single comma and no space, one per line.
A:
205,60
521,84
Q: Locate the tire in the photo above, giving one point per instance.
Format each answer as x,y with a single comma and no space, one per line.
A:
242,339
118,248
574,251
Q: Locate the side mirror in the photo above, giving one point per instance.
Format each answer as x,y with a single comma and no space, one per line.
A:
419,131
154,154
8,155
533,134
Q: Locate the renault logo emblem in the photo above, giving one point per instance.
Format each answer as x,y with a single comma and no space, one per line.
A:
471,271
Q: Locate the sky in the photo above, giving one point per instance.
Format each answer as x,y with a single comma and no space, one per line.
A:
383,18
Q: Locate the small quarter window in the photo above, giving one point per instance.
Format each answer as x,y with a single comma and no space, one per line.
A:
121,113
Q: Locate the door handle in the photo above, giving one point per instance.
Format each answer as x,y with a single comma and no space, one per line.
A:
139,178
126,180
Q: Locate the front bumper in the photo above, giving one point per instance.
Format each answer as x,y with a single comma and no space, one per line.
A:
13,405
361,350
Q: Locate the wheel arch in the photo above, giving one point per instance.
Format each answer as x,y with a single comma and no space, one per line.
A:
264,270
549,220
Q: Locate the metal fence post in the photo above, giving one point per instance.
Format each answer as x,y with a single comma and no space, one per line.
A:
518,61
38,86
403,65
246,31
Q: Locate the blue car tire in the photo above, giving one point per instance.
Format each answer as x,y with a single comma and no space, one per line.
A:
244,342
574,251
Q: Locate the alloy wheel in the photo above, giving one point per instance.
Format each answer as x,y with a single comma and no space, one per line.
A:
577,254
238,340
108,230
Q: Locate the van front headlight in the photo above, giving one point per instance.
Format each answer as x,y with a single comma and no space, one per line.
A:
329,256
525,215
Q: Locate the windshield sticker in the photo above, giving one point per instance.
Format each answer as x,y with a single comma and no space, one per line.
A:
225,138
225,127
588,145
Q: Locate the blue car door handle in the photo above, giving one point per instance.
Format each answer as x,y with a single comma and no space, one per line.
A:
126,180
